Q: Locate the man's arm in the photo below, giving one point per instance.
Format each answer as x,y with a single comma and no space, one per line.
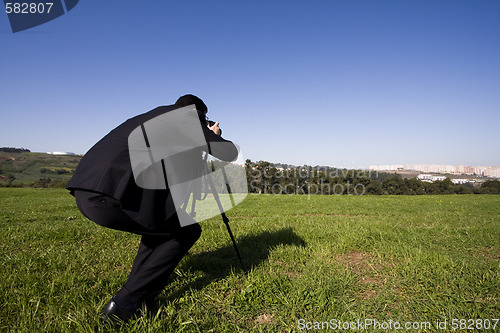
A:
218,147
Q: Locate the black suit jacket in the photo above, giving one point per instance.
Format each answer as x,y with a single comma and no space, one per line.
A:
106,169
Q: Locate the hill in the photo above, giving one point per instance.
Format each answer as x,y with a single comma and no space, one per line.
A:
26,169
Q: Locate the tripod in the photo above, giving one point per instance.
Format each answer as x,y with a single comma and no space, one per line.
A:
225,219
197,192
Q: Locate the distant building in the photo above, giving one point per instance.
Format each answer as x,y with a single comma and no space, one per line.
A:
425,177
460,181
60,153
430,178
481,171
492,172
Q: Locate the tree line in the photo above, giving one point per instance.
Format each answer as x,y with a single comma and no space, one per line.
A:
265,177
14,150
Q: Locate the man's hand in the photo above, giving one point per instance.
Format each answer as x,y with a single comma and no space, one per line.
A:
215,128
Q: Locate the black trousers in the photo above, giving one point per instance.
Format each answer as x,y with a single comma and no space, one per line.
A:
159,251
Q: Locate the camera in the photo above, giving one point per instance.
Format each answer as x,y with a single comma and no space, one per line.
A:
212,123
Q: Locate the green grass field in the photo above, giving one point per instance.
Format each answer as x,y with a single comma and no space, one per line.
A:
312,259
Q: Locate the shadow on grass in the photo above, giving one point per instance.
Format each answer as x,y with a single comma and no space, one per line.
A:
217,264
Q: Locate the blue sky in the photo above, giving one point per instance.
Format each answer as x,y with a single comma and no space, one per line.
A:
339,83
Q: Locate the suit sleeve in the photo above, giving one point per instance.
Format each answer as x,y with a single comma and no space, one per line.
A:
220,148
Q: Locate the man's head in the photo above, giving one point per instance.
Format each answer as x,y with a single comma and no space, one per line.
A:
192,99
202,111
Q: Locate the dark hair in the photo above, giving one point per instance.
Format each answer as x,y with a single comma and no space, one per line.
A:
192,99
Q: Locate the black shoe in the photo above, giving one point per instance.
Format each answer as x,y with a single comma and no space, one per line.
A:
115,314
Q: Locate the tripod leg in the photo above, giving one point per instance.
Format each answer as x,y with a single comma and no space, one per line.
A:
224,217
226,222
228,187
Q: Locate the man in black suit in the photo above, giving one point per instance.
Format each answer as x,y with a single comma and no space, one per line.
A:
107,193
